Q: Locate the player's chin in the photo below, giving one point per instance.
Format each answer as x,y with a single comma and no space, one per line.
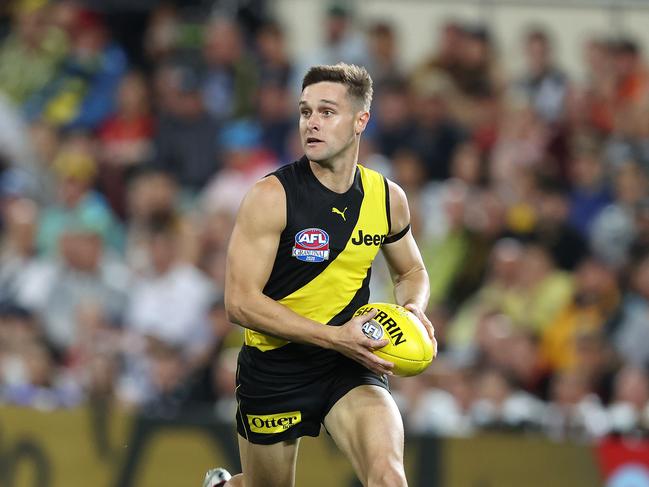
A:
315,154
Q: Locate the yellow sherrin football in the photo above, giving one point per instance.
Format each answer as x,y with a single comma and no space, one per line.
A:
409,347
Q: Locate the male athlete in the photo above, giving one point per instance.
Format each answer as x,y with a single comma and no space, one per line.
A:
299,260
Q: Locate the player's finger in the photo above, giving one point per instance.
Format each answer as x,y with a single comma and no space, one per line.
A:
375,344
365,317
378,369
382,363
423,318
431,331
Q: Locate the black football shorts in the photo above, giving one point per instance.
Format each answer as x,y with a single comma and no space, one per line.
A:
286,393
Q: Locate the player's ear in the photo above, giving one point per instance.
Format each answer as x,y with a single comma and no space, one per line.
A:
361,122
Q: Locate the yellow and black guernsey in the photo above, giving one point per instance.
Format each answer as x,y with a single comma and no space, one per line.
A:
324,257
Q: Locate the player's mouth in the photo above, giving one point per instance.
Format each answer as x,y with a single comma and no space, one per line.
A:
313,141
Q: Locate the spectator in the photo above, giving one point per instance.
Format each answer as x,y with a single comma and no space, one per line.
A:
594,303
633,325
186,144
500,406
395,125
544,85
76,170
590,192
383,63
629,411
170,302
231,75
275,65
18,257
84,272
80,95
341,40
125,139
276,119
436,135
613,231
565,244
245,161
574,411
30,55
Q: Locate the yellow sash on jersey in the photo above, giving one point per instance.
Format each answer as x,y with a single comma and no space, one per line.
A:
329,292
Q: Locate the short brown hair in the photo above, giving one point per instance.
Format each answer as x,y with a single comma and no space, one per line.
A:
355,78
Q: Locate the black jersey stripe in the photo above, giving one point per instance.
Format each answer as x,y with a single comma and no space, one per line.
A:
387,203
289,274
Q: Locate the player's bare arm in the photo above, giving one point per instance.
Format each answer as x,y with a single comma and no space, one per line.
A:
411,286
252,249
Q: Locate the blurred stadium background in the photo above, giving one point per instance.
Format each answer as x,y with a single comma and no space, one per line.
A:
129,131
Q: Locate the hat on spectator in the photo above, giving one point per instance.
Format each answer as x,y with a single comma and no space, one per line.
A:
85,223
240,135
28,6
76,165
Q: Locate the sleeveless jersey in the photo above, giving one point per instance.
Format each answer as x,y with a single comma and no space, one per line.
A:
324,257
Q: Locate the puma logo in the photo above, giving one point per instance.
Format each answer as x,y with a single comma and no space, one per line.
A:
338,212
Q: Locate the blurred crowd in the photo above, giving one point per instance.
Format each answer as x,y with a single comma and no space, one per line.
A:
124,154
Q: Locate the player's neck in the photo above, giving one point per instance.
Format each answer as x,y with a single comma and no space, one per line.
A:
337,174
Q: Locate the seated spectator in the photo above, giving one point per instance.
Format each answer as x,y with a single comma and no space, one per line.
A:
186,144
383,52
590,192
83,271
80,95
544,85
613,231
574,412
443,409
245,161
631,332
436,135
594,302
18,248
274,63
170,302
499,405
566,245
629,410
76,170
125,139
31,53
230,73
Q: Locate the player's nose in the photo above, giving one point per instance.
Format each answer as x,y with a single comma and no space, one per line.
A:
313,123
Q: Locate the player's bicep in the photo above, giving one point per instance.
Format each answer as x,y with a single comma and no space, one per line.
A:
255,237
400,249
403,256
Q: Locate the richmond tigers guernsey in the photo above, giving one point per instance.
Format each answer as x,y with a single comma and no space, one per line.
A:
324,257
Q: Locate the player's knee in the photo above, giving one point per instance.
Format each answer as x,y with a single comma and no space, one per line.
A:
387,474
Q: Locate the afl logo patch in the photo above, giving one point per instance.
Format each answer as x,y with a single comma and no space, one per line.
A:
311,245
372,330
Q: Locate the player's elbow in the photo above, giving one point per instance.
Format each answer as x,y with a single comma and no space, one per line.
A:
235,308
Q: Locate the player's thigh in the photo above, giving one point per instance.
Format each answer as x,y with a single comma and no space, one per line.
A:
367,426
268,465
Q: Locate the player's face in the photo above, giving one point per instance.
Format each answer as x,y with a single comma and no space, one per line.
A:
330,122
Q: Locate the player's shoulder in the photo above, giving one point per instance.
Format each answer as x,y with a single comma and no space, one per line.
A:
267,192
397,194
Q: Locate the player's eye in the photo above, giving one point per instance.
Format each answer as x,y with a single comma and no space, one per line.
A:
305,113
327,113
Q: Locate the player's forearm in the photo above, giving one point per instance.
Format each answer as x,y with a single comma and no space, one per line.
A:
263,314
413,288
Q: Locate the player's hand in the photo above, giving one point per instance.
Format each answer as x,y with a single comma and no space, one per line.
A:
352,342
419,313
